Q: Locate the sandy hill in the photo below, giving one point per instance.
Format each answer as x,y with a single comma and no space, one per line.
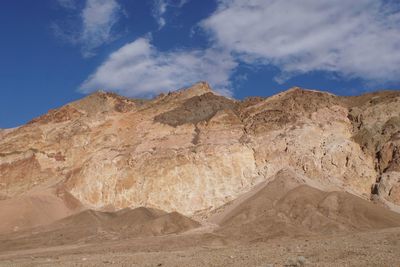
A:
91,226
290,206
127,223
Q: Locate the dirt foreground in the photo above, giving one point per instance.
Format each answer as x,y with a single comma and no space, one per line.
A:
375,248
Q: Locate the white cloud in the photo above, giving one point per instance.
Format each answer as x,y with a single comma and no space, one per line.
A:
356,39
96,24
139,69
99,17
161,6
68,4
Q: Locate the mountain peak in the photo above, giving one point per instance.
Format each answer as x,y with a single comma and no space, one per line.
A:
197,89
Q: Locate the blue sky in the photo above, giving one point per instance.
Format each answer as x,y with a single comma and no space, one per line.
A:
56,51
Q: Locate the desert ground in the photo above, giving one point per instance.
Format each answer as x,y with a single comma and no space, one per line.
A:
373,248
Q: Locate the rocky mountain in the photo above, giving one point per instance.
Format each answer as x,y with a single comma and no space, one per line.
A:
192,151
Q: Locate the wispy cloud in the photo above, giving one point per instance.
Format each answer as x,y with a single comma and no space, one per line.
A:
160,8
93,26
98,17
68,4
139,69
355,39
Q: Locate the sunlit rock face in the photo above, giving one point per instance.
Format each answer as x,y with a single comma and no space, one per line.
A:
193,150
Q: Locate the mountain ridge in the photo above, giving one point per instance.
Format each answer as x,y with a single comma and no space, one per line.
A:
104,147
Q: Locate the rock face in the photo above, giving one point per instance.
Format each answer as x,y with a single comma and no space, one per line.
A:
192,150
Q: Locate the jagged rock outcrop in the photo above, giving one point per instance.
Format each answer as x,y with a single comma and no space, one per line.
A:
192,150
